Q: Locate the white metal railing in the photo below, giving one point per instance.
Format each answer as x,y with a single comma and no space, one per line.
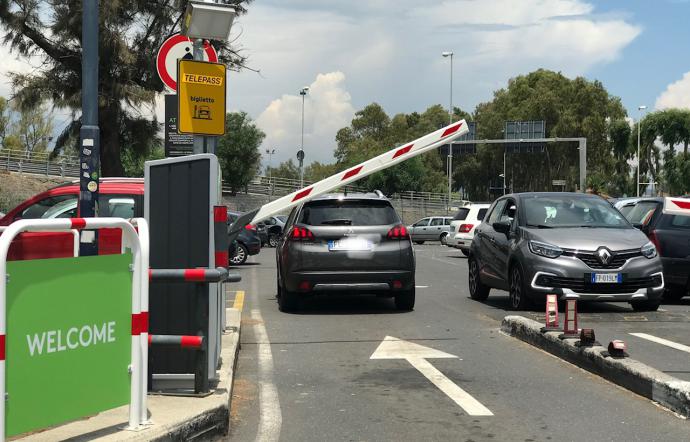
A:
39,163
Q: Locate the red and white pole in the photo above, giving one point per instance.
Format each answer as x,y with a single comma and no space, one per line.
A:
551,320
570,330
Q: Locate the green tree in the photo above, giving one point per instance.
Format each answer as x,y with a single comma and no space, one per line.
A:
4,120
676,174
317,171
130,33
34,128
287,169
372,132
570,107
238,150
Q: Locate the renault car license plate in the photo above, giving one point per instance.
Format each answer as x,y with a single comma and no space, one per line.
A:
607,278
350,244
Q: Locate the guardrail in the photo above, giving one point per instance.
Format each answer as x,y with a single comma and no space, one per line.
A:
38,163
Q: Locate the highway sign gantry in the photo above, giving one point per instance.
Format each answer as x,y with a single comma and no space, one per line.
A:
175,48
201,97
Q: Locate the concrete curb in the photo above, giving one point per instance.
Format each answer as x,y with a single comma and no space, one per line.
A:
629,373
174,418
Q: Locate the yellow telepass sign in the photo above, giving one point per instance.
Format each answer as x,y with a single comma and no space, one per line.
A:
201,97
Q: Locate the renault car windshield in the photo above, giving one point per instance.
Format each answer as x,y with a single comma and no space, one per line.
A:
555,211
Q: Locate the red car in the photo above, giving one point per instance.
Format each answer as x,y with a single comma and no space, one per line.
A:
118,197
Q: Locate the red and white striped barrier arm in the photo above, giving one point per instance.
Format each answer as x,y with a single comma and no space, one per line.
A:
677,206
385,160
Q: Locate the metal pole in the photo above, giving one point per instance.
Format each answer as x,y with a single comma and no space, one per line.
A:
89,133
198,53
450,146
583,163
301,161
504,171
639,123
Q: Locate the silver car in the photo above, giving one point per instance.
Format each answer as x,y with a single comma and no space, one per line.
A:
574,245
432,228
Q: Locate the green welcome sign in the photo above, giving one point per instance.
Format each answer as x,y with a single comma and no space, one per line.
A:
68,339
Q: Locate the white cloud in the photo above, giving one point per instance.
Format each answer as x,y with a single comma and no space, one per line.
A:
500,12
327,108
677,94
390,52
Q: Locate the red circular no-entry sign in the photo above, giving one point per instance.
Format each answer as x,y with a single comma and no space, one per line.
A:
175,47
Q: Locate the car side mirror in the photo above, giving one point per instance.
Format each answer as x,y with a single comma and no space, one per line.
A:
501,227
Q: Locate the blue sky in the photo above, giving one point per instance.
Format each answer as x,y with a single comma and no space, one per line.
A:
660,55
352,53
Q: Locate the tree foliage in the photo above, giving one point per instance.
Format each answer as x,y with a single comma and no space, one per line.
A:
238,150
130,33
287,169
373,132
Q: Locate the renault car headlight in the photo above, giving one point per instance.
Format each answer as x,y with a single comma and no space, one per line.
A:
546,250
649,250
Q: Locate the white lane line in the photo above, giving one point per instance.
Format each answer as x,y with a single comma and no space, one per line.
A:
421,286
270,416
471,406
663,341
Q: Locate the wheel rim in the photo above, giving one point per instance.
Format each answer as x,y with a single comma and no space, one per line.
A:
239,255
473,276
272,240
516,289
444,239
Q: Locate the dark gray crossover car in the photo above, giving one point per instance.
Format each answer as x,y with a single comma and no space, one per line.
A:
571,244
352,243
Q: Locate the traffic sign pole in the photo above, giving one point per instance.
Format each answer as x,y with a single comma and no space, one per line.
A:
199,140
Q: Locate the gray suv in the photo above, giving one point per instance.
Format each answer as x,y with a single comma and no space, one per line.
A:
352,243
571,244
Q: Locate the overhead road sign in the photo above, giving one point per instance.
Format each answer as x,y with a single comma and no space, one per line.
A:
201,97
178,47
525,130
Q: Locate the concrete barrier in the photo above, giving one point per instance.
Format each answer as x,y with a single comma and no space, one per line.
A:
637,377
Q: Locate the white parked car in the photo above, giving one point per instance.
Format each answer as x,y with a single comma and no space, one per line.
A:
463,225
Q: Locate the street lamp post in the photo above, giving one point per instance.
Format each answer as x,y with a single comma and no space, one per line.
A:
450,121
300,154
270,153
641,110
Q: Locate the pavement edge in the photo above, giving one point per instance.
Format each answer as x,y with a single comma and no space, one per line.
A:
631,374
214,420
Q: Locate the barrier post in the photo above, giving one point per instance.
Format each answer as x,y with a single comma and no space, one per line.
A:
570,329
551,320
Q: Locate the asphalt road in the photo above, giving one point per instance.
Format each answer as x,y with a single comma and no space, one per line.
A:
309,376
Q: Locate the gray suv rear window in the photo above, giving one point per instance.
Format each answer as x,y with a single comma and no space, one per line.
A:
348,213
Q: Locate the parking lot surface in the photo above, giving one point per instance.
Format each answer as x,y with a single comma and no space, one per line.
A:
310,375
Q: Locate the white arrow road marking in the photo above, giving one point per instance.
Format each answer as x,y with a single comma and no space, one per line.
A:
663,341
417,355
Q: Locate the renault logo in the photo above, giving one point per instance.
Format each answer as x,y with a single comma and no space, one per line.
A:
604,255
